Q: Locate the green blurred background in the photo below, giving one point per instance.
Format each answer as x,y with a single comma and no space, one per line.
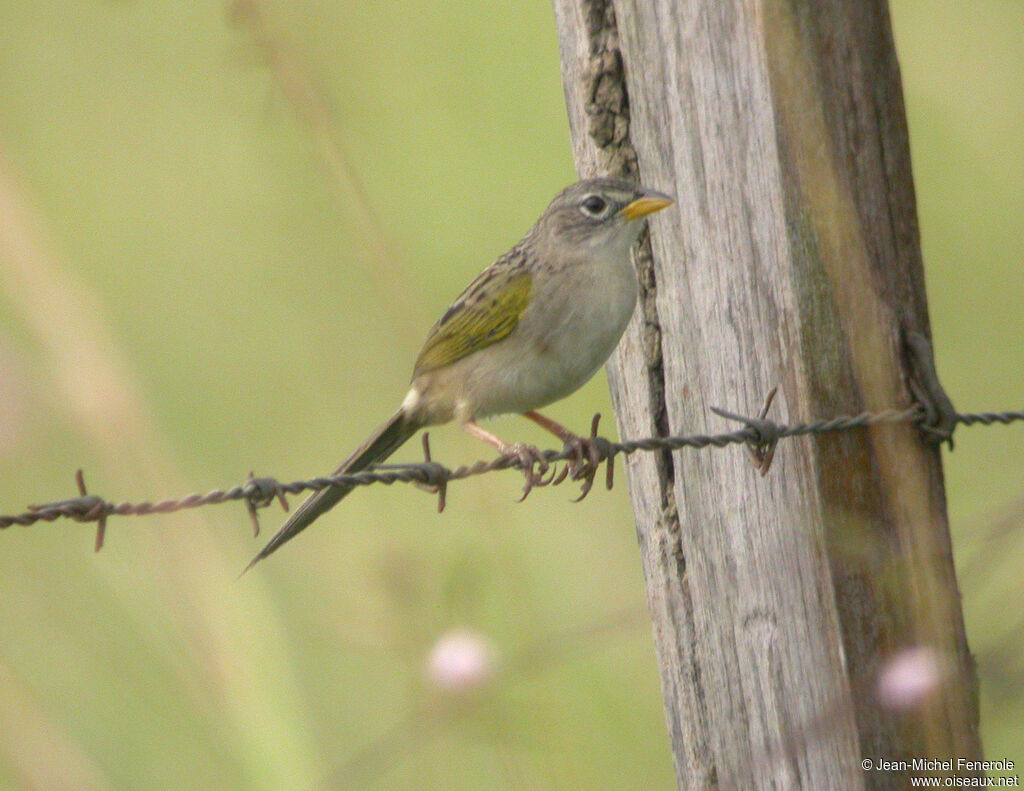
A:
223,234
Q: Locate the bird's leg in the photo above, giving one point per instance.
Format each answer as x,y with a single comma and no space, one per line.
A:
528,455
554,427
588,456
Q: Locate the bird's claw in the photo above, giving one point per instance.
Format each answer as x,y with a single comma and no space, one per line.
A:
587,455
535,467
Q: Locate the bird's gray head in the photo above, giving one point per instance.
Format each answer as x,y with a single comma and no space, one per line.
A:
598,212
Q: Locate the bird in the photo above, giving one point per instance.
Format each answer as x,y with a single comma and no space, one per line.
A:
531,329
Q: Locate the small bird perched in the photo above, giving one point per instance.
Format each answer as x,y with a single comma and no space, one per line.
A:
532,328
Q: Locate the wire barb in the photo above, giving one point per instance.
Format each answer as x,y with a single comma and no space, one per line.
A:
259,493
763,436
428,476
84,508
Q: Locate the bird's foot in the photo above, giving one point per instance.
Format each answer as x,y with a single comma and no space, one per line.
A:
531,461
587,455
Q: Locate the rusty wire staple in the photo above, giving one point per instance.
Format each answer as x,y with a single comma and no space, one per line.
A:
259,492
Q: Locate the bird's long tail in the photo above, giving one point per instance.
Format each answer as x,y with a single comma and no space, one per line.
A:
388,438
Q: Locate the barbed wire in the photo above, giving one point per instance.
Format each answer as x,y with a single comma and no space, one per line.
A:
582,460
933,413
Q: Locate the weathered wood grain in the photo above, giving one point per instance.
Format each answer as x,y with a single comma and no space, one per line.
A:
791,257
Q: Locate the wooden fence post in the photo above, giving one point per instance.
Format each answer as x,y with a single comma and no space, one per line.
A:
792,258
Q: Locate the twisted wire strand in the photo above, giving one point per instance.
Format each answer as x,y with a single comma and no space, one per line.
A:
260,492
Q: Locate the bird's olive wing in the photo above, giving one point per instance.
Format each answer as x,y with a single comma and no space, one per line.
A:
487,311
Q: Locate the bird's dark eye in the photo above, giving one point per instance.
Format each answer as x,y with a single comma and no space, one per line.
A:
594,205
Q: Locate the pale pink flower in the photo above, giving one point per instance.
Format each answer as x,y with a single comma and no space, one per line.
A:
461,661
908,677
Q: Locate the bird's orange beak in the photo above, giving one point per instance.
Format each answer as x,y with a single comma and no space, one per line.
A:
648,203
